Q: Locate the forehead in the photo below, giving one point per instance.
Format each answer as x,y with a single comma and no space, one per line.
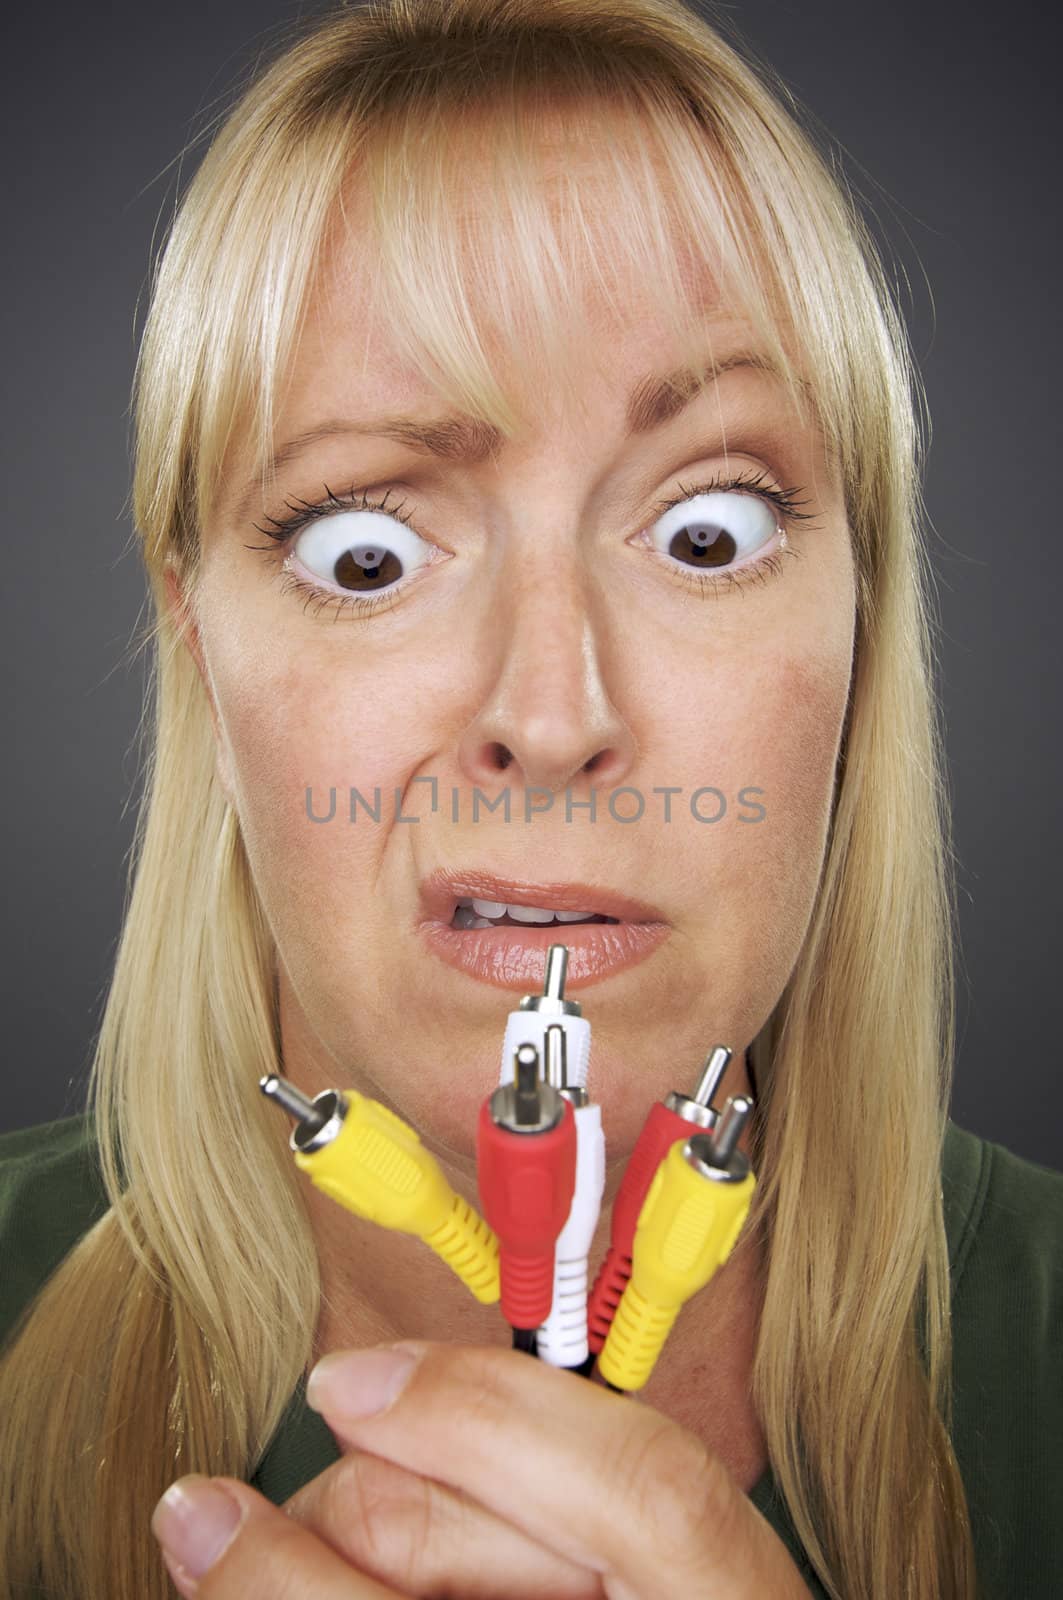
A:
348,362
449,289
565,200
351,356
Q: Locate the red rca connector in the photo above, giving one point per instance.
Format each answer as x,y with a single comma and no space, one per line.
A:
526,1167
669,1120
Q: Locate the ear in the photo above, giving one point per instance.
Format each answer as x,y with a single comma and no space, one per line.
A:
178,600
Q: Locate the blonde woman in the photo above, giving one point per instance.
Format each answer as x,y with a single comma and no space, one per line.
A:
522,407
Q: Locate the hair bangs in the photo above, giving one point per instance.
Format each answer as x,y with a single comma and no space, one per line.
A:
479,230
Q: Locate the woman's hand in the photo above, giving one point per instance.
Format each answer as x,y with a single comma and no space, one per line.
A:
472,1473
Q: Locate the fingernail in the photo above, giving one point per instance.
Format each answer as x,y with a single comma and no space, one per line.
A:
194,1521
358,1383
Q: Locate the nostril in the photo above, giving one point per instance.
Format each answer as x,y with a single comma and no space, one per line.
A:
503,756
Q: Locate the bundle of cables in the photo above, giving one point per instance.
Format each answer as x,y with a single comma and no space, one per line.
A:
680,1207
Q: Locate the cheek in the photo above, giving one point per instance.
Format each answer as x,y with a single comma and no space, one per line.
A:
764,732
797,751
763,727
302,737
770,869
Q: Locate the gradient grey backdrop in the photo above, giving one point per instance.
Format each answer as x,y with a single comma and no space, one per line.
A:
950,121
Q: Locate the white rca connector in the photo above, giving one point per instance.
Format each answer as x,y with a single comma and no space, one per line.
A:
562,1338
528,1024
562,1037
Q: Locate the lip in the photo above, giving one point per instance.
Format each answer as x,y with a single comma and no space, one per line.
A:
441,891
515,958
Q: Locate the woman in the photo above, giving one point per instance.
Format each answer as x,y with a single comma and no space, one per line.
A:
475,318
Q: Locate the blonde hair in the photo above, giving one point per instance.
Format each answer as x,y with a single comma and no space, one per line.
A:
138,1362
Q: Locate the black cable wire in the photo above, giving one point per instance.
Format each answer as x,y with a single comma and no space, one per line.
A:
585,1368
525,1339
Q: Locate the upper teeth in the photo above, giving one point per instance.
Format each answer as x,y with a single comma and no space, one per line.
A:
493,909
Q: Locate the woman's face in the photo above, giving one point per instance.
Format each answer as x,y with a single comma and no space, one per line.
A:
537,632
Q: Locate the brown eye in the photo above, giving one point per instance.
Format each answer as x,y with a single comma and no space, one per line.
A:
367,567
360,551
713,530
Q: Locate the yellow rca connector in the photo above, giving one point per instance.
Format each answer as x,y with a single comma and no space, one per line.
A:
367,1159
690,1219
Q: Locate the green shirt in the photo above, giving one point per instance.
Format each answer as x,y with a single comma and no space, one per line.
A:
1004,1219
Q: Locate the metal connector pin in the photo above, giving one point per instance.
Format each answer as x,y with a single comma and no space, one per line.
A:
317,1121
526,1104
298,1105
736,1114
556,972
552,1001
698,1108
716,1064
716,1154
556,1064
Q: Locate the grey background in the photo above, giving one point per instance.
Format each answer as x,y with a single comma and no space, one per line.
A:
950,123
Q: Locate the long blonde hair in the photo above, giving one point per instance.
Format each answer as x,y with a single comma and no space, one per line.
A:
138,1361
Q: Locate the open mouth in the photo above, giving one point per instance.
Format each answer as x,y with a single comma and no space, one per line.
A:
496,928
470,913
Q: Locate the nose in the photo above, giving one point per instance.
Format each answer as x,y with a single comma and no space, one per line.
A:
548,721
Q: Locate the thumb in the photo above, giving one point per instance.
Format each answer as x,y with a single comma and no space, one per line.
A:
222,1540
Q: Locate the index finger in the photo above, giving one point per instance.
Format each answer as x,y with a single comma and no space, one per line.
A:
430,1539
607,1482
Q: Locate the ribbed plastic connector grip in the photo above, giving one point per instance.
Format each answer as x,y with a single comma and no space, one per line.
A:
612,1280
686,1230
526,1185
467,1245
527,1285
660,1131
562,1340
635,1339
377,1167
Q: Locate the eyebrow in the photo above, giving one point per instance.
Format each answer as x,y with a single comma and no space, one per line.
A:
653,402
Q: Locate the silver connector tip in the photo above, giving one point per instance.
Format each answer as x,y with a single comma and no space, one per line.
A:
736,1114
526,1085
298,1105
556,971
528,1105
715,1065
551,1001
556,1056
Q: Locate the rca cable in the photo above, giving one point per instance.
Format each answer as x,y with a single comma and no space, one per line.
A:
695,1209
371,1162
526,1166
670,1119
561,1035
681,1206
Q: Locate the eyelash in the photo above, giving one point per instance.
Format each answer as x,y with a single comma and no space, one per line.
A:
302,513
